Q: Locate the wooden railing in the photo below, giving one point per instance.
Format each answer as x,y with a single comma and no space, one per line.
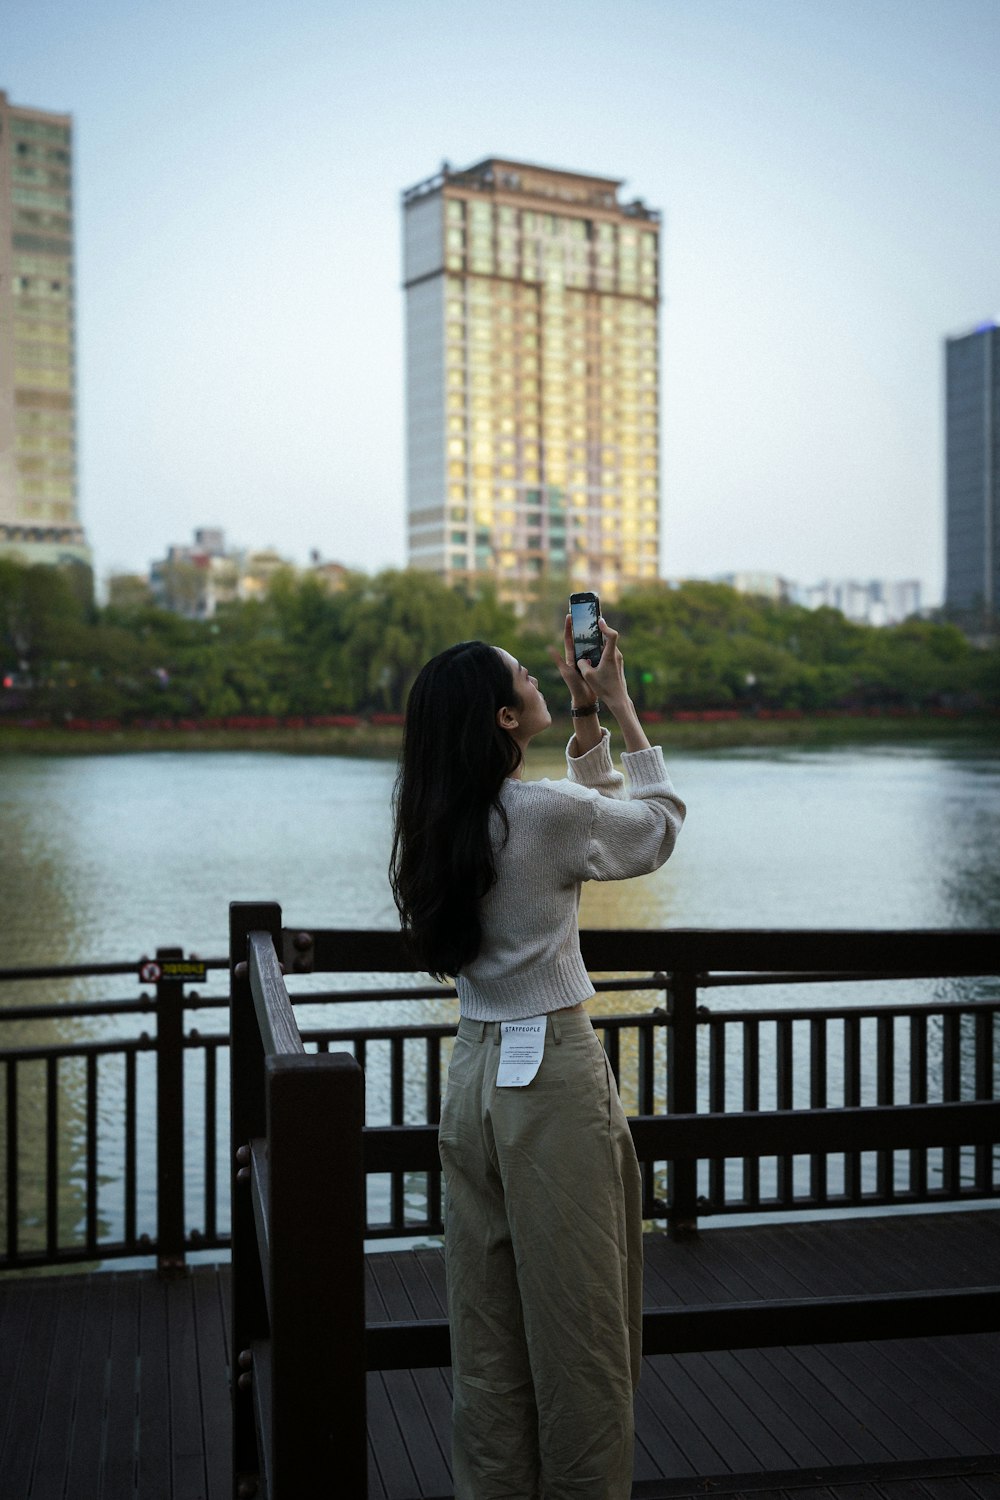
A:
114,1146
294,1312
321,1391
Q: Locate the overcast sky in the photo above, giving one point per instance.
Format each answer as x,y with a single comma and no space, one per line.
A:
827,171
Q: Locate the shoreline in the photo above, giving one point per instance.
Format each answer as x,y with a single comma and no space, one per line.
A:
371,740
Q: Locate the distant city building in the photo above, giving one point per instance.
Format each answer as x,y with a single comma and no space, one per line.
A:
972,474
39,519
332,575
532,378
766,585
257,571
196,580
875,602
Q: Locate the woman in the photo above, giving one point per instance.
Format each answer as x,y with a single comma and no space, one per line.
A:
543,1229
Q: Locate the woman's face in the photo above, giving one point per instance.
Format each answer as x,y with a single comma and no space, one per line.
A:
532,715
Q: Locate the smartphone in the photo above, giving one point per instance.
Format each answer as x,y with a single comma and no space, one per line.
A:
588,643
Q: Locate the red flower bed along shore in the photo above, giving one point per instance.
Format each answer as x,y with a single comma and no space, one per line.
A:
727,715
237,722
234,721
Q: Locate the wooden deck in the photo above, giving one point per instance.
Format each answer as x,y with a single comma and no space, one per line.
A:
115,1386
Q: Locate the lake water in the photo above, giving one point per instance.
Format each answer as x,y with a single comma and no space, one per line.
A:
104,857
107,857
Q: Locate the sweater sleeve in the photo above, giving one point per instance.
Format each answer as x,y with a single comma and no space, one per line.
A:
635,835
595,768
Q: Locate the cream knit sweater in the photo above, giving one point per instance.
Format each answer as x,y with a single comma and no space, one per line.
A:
589,827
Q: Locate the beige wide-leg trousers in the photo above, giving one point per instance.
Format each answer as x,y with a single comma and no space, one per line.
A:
543,1243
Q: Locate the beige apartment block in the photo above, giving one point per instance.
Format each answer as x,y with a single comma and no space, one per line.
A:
39,519
532,301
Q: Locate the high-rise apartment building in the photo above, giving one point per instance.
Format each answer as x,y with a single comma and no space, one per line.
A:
972,468
39,521
532,382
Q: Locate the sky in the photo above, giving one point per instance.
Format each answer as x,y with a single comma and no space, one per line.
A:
827,172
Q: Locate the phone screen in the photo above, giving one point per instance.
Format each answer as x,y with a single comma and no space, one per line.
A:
586,634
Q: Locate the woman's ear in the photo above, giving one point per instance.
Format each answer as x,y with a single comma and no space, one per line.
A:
506,719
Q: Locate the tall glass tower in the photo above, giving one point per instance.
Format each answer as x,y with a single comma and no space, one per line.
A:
532,378
972,466
39,520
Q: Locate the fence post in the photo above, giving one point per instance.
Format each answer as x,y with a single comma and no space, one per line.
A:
315,1110
248,1120
169,1120
682,1096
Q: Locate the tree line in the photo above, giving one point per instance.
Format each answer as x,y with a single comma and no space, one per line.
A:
304,650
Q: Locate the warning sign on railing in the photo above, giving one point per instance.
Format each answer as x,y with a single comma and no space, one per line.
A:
185,970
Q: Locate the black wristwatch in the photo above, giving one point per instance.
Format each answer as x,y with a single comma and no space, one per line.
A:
586,711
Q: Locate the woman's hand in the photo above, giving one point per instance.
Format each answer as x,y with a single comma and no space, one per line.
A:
580,692
607,679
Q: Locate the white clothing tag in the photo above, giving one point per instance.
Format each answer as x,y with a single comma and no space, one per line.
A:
521,1046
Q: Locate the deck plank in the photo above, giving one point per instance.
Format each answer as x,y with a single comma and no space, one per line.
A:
213,1356
394,1467
49,1475
118,1470
154,1392
15,1332
821,1434
669,1433
964,1430
120,1385
875,1438
968,1369
187,1450
392,1289
671,1388
90,1410
29,1393
423,1449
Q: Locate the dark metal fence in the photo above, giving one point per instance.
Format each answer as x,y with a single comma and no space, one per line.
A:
82,1122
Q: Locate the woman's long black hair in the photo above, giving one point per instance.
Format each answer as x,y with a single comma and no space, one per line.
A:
454,761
